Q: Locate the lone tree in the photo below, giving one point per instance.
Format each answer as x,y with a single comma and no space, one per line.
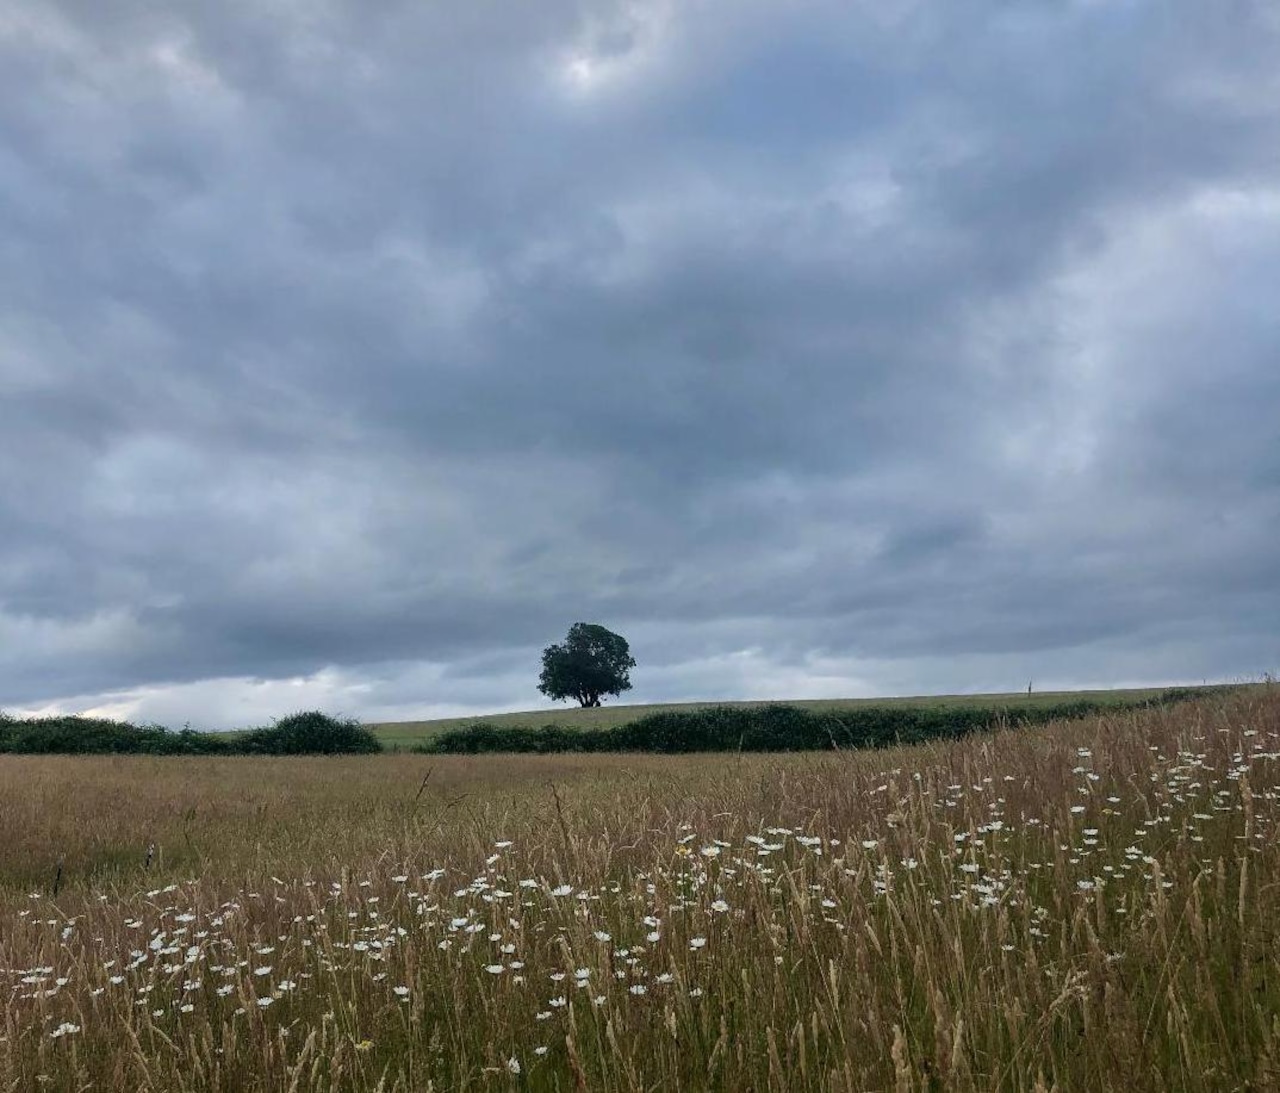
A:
591,662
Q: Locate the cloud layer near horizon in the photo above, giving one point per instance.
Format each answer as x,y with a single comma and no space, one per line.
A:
350,352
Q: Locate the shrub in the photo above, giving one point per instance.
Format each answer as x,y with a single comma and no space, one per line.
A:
310,732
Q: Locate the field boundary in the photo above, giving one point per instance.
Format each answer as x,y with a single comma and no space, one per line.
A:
404,735
780,727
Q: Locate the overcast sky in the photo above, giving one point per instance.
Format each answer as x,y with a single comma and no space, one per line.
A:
351,351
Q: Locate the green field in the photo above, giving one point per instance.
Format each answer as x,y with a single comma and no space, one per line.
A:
405,734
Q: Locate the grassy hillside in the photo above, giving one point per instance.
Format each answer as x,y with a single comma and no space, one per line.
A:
404,734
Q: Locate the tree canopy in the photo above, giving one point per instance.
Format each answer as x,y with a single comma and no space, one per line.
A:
589,663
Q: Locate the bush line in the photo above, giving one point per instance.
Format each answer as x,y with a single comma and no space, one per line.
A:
780,727
768,728
309,732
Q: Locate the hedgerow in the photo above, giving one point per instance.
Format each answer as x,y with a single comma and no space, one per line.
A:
777,727
305,733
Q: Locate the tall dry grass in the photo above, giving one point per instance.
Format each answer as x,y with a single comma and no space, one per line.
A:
1087,906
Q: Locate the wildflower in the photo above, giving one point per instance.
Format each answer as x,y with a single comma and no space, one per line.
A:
652,937
402,992
600,935
263,1003
64,1029
638,989
539,1050
697,942
720,906
513,1065
494,969
562,890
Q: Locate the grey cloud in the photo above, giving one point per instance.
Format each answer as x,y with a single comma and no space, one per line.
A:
886,337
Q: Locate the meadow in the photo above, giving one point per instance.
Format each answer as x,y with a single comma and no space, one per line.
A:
1080,906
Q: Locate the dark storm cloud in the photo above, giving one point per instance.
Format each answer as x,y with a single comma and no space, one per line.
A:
840,349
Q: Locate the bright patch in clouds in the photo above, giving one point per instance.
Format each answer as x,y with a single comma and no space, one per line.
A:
617,45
